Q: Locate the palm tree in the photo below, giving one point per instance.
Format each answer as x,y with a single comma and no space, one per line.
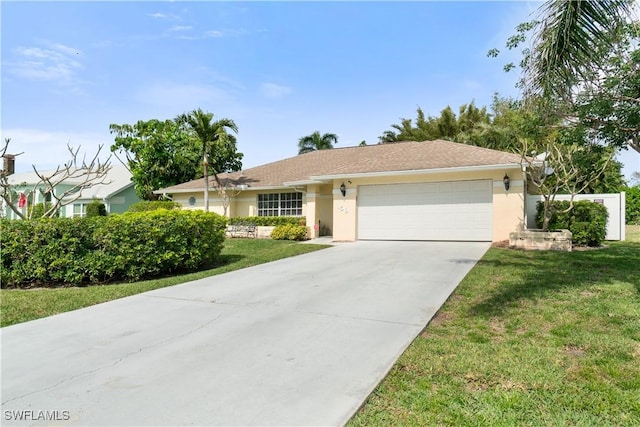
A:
208,133
570,39
315,141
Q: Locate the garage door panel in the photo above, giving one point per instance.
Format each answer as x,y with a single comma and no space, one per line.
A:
455,210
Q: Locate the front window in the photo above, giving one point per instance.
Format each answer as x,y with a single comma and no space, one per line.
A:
280,204
79,210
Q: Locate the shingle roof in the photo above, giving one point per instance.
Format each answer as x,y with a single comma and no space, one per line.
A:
400,156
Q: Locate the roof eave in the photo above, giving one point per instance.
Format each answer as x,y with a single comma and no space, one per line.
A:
418,171
212,189
105,197
303,182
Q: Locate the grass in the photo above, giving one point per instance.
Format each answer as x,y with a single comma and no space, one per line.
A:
633,233
23,305
527,339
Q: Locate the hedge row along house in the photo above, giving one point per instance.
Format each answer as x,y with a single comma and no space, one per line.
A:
432,190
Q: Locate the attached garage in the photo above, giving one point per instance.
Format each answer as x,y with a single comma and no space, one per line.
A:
452,210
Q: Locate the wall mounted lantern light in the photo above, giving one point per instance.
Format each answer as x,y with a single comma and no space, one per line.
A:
506,181
343,189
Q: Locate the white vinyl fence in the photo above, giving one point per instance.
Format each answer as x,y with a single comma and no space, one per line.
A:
615,204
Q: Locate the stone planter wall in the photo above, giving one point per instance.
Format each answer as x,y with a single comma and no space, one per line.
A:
541,240
264,232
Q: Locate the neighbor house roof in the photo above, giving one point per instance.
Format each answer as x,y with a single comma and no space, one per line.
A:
400,157
117,179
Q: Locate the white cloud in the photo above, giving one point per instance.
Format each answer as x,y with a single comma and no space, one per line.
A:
159,15
274,91
213,33
50,62
206,35
181,28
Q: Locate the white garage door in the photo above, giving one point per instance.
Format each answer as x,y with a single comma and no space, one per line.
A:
457,210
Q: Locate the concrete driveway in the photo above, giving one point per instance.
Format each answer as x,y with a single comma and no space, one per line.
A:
301,341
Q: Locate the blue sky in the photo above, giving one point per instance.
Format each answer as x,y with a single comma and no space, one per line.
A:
280,70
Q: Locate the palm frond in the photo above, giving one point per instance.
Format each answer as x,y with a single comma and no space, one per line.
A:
571,34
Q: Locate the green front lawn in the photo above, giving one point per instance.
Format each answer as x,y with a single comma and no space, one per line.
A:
527,339
18,306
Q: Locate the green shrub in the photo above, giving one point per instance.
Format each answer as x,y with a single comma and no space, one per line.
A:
268,221
38,210
153,205
96,208
289,232
132,246
587,220
46,251
633,205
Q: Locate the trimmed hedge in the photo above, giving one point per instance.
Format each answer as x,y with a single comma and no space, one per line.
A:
153,205
587,220
128,247
268,221
289,232
633,205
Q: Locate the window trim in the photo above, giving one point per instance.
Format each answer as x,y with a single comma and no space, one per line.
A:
279,204
83,210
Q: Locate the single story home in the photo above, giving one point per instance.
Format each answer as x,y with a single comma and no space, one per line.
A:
117,193
430,190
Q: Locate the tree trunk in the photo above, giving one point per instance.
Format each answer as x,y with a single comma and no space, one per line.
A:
546,214
206,187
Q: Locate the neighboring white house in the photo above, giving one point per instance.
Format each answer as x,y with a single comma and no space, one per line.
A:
117,193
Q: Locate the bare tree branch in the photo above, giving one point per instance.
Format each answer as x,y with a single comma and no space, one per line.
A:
557,169
78,174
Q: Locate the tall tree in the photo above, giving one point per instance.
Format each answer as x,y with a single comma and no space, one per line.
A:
425,128
584,62
569,42
446,126
316,141
158,154
215,141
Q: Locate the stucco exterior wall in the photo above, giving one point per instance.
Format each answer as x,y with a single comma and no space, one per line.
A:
215,205
325,204
508,209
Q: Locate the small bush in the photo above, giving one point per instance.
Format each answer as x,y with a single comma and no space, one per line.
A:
289,232
268,221
96,208
132,246
153,205
587,220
